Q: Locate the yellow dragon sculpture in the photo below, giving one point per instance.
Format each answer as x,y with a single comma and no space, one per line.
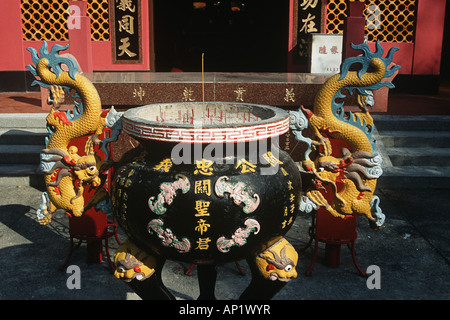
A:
340,154
66,172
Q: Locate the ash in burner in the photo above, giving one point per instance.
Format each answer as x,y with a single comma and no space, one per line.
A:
215,114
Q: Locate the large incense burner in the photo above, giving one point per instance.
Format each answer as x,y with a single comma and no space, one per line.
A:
209,184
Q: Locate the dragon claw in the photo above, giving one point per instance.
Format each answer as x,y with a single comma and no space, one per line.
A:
46,220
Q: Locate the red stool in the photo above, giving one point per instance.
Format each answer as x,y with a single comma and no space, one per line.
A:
334,232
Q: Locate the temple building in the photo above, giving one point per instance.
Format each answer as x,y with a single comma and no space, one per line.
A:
288,36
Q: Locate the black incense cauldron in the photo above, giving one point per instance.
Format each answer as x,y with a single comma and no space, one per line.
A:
208,183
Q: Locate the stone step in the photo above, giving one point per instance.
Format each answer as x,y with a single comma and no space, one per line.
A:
418,156
20,154
21,175
413,177
411,123
9,170
23,120
415,139
32,136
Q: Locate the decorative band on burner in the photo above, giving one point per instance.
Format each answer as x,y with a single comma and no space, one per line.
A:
205,134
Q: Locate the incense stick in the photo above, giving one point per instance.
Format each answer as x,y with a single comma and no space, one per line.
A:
203,82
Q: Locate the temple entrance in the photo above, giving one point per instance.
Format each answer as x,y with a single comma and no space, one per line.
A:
236,36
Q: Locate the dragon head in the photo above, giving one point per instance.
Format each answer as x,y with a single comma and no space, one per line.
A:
278,262
129,267
86,170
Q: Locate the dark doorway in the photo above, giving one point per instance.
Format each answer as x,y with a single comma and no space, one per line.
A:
445,61
235,36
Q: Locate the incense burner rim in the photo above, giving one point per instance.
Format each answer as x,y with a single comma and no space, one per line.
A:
267,122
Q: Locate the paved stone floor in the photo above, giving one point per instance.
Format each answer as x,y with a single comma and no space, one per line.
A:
411,252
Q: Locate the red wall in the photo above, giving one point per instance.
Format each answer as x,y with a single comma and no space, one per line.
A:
421,57
11,53
14,57
430,19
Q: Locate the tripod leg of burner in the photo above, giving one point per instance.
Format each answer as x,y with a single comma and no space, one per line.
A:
152,288
260,288
207,275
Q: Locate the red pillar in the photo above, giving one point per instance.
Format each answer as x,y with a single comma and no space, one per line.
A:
11,37
430,17
79,25
353,27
